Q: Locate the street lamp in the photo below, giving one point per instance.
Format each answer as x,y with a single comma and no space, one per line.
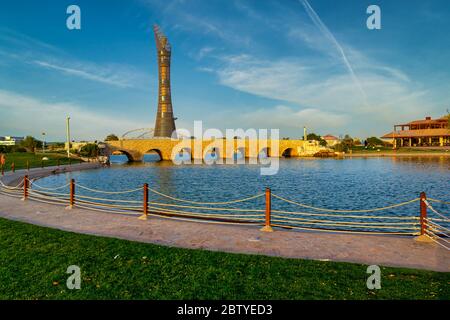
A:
68,136
43,142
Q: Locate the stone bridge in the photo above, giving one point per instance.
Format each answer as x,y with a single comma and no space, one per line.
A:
167,148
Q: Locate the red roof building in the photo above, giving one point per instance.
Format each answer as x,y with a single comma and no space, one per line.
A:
421,133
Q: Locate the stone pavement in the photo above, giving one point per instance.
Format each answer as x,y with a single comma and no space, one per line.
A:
366,249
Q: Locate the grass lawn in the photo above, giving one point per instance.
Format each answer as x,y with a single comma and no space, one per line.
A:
34,261
35,160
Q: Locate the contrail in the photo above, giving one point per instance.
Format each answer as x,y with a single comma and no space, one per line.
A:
327,33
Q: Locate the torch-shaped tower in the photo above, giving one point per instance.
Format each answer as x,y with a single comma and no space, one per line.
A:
165,122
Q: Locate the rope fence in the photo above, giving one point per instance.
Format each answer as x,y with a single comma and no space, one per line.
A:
432,223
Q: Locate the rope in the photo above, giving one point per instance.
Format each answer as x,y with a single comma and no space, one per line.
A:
433,237
108,192
348,231
19,186
206,215
206,208
206,203
107,205
107,211
432,209
34,184
354,226
439,201
438,226
206,221
350,222
101,199
333,210
346,216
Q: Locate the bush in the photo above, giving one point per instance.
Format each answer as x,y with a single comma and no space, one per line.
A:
316,137
374,141
111,137
5,149
341,147
89,150
30,143
18,149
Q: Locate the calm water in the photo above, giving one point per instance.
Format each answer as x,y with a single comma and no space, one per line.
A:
355,183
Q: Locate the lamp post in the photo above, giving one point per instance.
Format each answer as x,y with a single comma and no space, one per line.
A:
68,136
43,142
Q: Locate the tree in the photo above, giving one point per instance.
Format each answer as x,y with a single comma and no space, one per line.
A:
30,144
374,141
316,137
89,150
348,141
341,147
111,137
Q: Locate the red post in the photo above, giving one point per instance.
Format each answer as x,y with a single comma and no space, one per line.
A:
13,167
423,213
145,203
25,187
72,193
267,227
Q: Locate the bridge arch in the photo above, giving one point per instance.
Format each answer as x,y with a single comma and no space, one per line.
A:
212,154
264,153
126,153
239,154
288,153
155,151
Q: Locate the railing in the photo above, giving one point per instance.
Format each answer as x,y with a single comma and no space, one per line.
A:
43,163
260,209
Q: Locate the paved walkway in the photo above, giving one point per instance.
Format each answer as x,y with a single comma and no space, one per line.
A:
365,249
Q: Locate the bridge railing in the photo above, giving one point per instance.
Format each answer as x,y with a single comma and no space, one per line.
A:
266,209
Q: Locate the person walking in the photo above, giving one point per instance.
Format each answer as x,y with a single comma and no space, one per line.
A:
2,160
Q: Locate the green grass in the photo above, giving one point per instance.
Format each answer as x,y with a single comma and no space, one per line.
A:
34,160
34,261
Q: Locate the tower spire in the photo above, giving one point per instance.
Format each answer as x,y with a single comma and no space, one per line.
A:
165,122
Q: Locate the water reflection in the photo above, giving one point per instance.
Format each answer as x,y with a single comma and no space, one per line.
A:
339,184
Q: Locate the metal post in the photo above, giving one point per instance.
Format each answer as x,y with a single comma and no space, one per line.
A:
145,203
72,194
267,227
68,136
423,213
423,237
25,187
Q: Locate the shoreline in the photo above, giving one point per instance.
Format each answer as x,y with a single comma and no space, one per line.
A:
394,154
14,178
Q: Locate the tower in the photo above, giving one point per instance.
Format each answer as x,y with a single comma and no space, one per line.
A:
165,122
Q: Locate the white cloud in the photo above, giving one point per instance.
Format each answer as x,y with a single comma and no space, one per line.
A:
109,76
25,115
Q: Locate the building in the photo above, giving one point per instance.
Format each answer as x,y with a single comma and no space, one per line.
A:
331,140
165,122
10,141
421,133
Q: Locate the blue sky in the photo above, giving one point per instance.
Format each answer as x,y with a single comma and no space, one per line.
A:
235,64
